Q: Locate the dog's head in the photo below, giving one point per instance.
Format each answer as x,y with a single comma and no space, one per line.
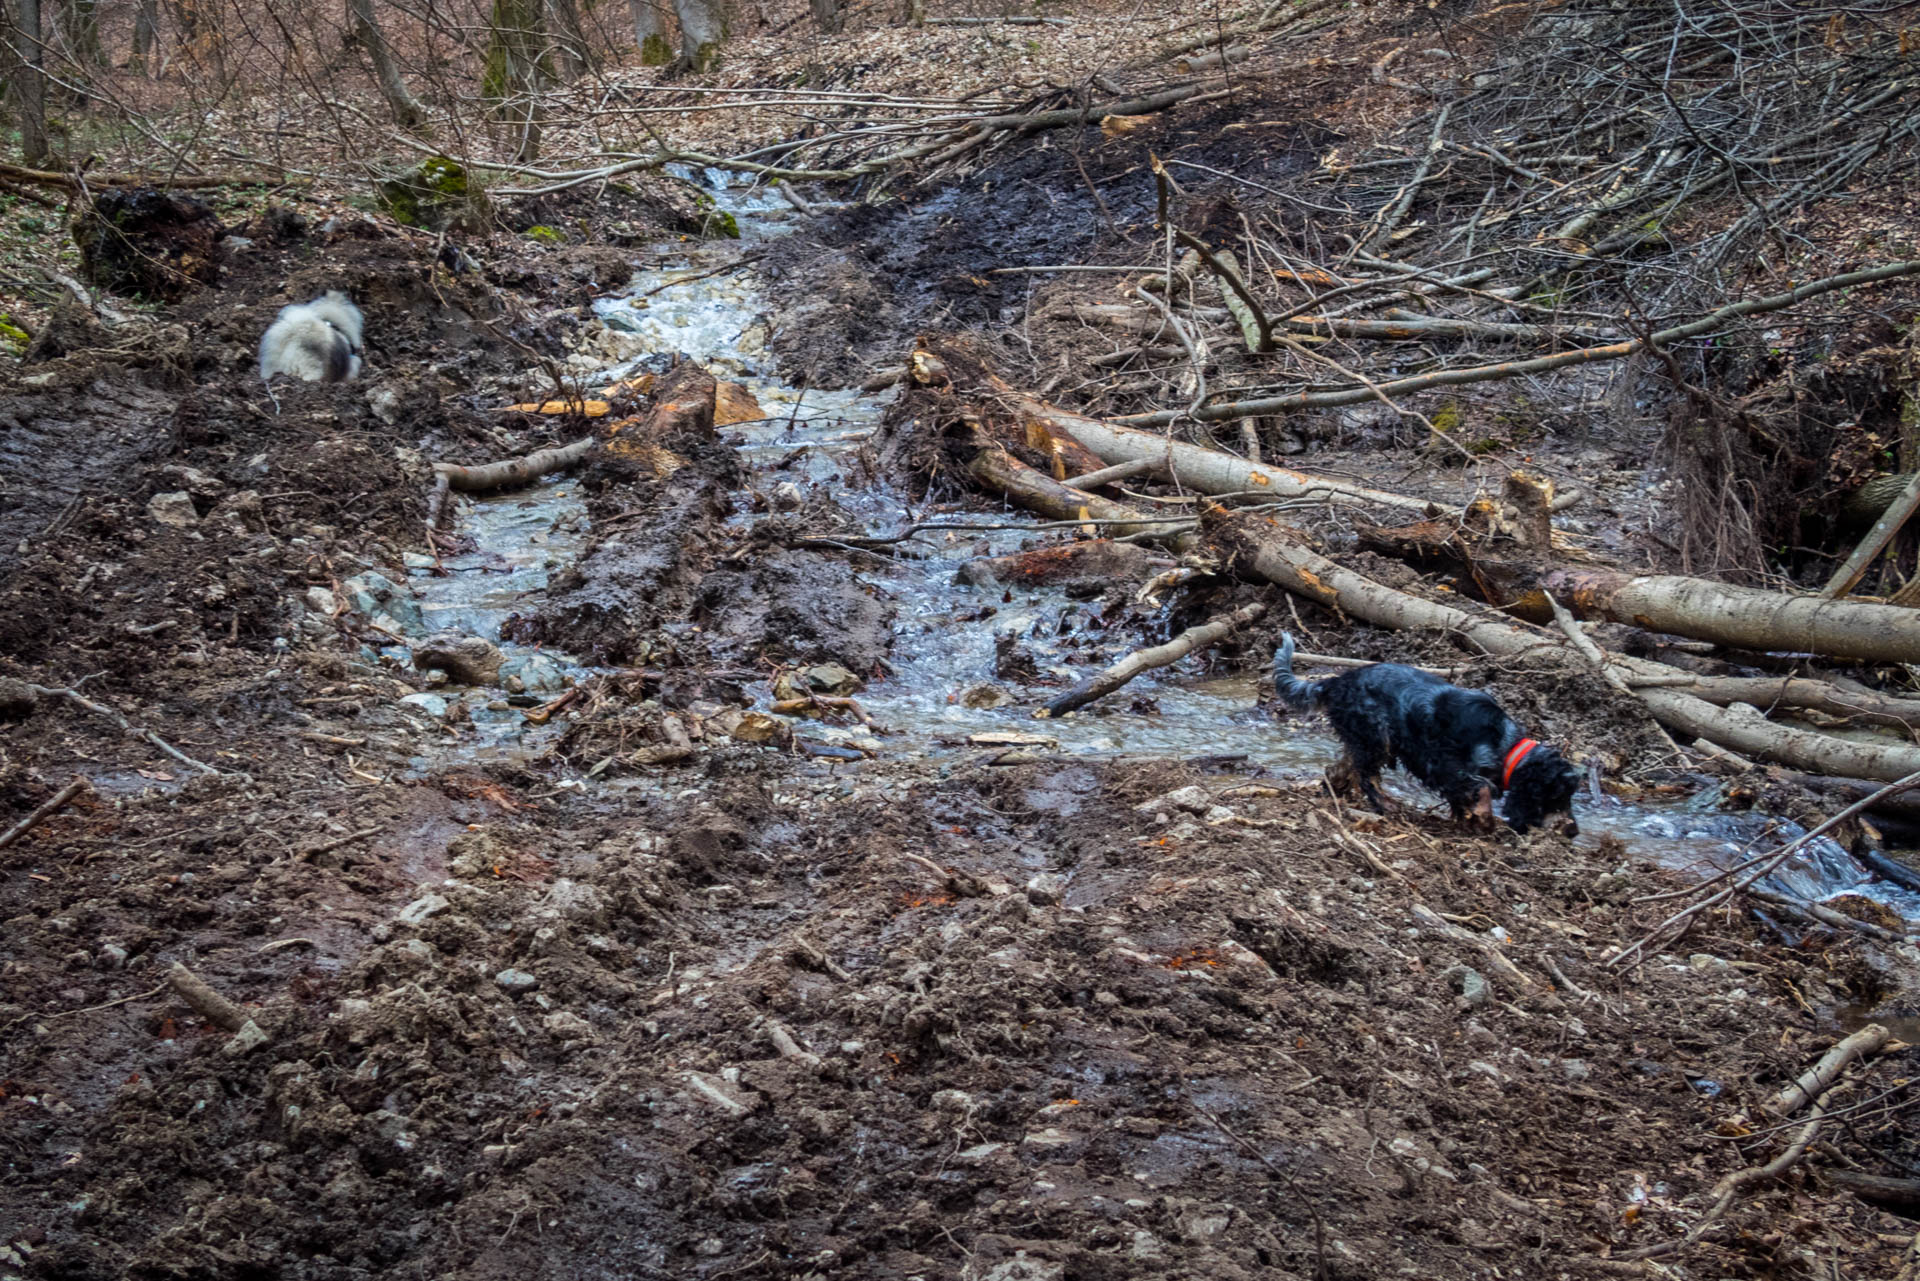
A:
1540,793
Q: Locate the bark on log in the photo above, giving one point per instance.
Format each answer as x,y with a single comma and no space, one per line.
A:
1001,473
1819,1078
1209,470
33,820
1119,471
1866,504
1897,514
1146,660
1251,547
1809,695
1878,1188
1742,616
207,1003
514,471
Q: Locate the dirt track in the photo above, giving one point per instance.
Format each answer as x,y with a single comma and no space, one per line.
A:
1173,1021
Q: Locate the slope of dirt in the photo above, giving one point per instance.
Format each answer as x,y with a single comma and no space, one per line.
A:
567,1013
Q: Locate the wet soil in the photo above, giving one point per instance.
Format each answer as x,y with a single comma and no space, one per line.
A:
722,1017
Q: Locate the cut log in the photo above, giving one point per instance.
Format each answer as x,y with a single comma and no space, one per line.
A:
1255,548
1810,695
1209,470
1145,660
1120,471
1742,616
514,471
1003,474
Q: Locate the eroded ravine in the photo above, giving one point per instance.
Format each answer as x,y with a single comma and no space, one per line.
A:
945,632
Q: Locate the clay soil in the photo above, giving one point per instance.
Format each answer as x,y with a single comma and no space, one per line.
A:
752,1014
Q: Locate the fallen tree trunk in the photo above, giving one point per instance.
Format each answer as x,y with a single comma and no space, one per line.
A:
1145,660
1742,616
513,471
1796,692
1253,548
1209,470
1001,473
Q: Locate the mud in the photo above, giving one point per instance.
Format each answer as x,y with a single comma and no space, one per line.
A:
527,1014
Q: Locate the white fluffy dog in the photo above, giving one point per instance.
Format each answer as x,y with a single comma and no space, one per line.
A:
316,341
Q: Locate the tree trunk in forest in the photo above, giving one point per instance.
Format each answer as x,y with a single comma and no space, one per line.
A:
1864,505
146,36
405,108
518,69
27,85
703,29
80,24
650,31
573,52
827,16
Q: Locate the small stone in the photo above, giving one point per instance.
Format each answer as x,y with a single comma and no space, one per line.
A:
175,509
111,956
832,679
1472,986
423,907
985,696
322,601
514,982
416,560
1046,888
787,496
1147,1248
567,1026
432,705
757,727
1193,799
1707,963
1575,1069
952,1101
469,660
378,597
1047,1138
978,1154
249,1037
1218,814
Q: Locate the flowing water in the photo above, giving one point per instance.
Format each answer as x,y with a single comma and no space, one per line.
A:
945,632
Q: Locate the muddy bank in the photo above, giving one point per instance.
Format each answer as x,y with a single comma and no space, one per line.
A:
921,263
536,1004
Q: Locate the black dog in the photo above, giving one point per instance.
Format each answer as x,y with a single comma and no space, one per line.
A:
1456,741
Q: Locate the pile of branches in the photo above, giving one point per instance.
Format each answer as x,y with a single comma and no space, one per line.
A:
1603,182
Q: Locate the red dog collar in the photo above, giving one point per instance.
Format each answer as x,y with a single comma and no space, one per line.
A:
1514,757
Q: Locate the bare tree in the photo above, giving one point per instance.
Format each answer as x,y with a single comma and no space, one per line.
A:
573,52
828,15
80,28
519,67
650,31
146,35
27,83
703,28
406,109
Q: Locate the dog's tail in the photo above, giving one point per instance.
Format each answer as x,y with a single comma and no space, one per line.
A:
1300,695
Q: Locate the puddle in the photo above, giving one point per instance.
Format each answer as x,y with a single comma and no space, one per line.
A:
942,642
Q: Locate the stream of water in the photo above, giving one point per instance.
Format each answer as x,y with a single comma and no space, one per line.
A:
942,644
